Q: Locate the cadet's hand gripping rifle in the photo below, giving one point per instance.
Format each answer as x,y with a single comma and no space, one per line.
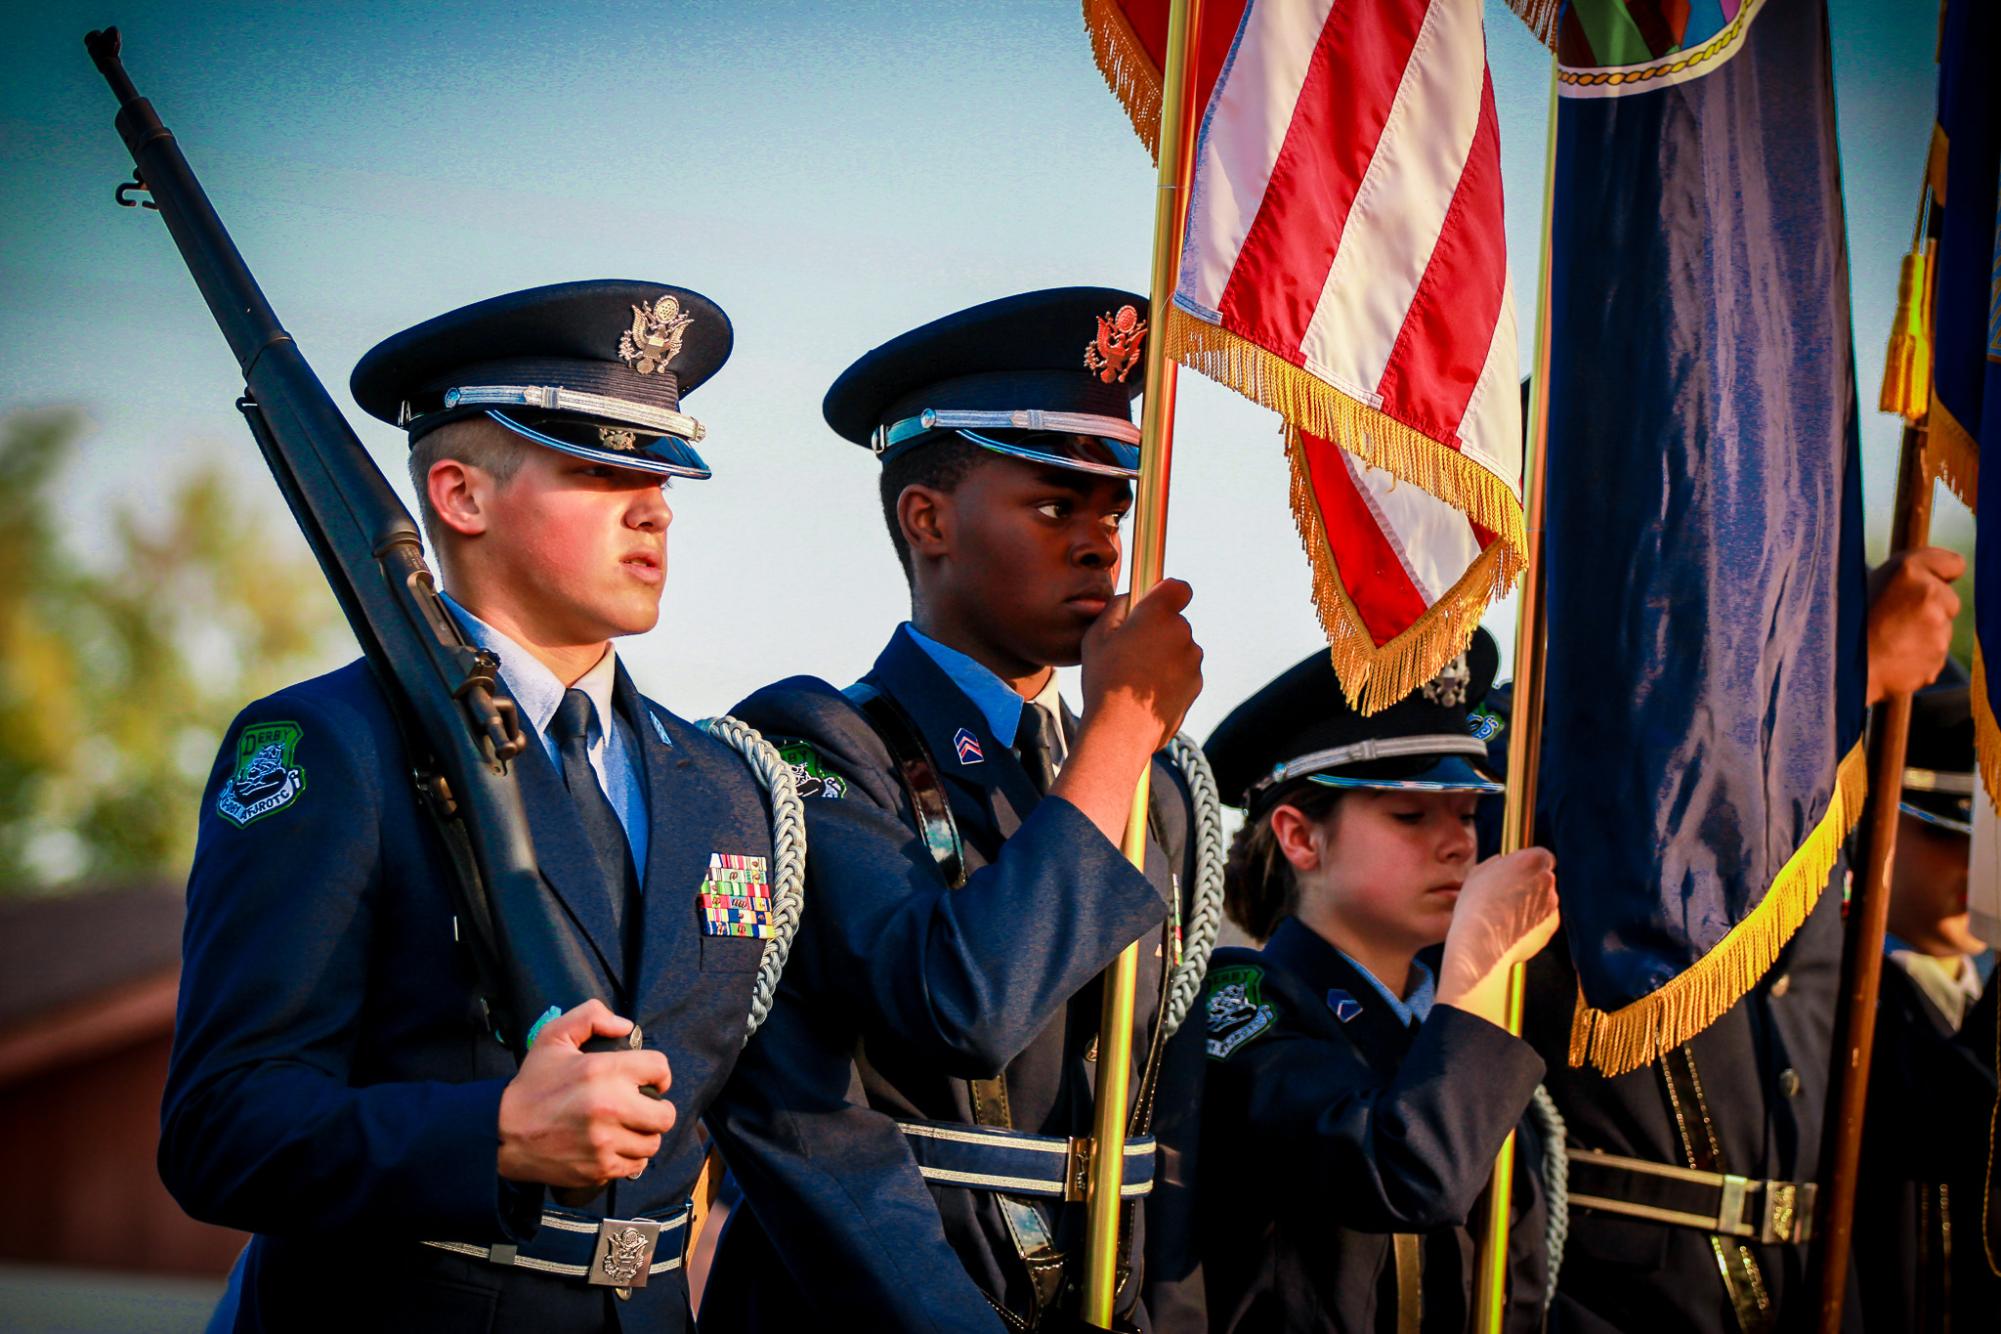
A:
459,732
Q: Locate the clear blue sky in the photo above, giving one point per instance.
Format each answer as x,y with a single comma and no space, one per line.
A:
832,174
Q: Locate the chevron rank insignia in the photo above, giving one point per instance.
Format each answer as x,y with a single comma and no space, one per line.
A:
736,898
1237,1012
1345,1006
968,746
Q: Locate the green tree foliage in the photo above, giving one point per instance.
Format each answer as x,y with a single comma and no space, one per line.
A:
124,652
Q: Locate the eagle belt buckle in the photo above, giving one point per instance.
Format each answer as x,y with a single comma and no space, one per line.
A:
624,1250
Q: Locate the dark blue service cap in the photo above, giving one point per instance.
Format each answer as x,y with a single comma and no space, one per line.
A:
1045,376
1938,758
594,369
1300,729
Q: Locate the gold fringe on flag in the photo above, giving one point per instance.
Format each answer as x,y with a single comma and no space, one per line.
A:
1129,71
1381,441
1986,733
1372,677
1541,16
1907,369
1952,455
1642,1032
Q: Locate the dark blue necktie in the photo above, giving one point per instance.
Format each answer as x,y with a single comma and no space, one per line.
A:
570,730
1038,742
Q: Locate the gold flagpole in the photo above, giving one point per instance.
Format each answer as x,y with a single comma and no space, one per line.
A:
1524,736
1108,1131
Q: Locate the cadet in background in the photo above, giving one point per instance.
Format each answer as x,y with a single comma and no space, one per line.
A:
1920,1256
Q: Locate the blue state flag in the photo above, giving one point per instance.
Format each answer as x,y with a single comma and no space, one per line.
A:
1965,419
1701,762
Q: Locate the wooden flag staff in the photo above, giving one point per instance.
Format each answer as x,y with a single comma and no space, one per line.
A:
1108,1132
1868,917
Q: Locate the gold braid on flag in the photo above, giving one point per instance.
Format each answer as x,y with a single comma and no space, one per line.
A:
1646,1030
1541,17
1952,456
1986,733
1129,71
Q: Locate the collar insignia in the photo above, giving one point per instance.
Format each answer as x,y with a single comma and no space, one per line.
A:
655,336
1449,687
968,747
1345,1006
1115,351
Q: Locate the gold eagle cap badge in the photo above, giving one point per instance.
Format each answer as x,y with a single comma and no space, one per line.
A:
1115,351
655,336
1452,684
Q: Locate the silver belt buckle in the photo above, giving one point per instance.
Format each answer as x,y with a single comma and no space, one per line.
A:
624,1252
1730,1205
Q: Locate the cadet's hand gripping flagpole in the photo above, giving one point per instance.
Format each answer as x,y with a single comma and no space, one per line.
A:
1524,737
1108,1131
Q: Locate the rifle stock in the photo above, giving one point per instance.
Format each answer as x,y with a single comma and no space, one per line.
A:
460,733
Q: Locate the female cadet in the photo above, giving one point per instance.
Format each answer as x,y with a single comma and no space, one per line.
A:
1357,1098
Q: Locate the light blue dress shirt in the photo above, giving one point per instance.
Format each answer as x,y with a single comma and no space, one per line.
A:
996,699
536,689
993,697
1414,1007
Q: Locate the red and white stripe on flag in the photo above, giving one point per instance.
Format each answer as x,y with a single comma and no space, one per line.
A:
1345,264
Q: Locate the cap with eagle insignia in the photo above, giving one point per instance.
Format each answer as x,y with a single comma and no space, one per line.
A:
593,369
1045,376
1299,728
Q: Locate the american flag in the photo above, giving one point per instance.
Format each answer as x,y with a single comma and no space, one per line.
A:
1344,264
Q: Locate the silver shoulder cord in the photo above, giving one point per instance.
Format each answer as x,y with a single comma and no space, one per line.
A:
1555,1182
1205,917
788,854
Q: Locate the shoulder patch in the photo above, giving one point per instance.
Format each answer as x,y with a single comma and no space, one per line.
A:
1237,1009
267,778
1484,725
814,777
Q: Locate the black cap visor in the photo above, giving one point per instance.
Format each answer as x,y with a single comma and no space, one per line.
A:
608,443
1447,774
1105,446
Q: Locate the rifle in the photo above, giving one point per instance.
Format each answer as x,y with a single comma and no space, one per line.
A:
460,733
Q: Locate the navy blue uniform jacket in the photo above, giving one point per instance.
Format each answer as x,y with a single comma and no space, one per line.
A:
331,1088
1919,1255
1764,1072
936,986
1323,1135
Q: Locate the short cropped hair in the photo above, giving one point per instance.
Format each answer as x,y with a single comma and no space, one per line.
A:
940,465
477,442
